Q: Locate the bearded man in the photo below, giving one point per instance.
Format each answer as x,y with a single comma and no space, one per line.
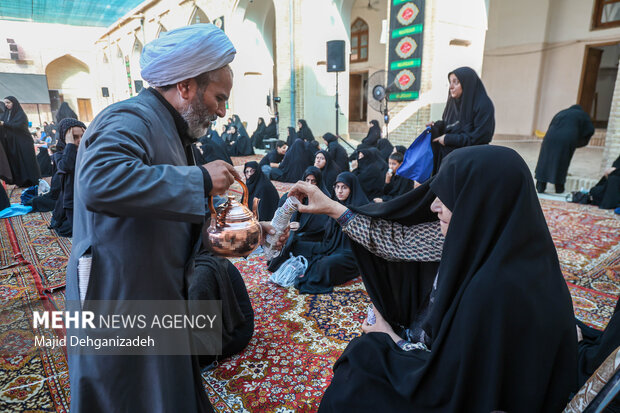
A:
138,209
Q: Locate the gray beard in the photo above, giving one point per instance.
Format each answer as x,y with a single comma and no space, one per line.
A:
198,118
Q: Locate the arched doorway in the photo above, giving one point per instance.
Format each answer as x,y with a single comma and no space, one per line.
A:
67,78
255,63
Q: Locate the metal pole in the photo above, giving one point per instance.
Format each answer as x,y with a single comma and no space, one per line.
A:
292,61
337,107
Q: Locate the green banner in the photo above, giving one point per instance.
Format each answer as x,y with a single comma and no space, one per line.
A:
403,64
404,31
397,2
404,95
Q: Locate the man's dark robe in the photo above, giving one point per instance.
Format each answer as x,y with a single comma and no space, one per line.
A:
138,209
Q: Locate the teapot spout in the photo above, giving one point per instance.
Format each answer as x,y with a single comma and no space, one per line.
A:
255,207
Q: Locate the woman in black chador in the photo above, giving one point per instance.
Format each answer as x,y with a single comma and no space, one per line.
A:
468,119
259,186
18,144
328,168
304,131
606,193
491,328
307,238
257,136
295,162
569,129
271,131
371,172
333,262
372,137
336,151
291,137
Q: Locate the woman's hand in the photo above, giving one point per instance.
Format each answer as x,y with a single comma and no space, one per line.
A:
380,326
440,140
318,202
268,229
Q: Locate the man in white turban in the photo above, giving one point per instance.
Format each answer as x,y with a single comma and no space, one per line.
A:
138,209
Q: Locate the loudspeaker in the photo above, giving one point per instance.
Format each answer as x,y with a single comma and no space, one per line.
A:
335,56
105,92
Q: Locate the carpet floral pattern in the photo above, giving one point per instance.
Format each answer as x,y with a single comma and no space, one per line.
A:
588,243
297,338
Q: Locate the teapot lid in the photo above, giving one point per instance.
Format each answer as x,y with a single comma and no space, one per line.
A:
235,211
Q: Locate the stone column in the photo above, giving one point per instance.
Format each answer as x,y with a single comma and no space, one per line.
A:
283,63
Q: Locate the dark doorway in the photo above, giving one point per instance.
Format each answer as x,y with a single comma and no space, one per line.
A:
358,104
598,81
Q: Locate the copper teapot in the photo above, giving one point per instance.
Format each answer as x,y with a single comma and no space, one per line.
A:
234,230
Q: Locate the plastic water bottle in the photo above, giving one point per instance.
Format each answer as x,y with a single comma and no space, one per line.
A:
371,318
280,221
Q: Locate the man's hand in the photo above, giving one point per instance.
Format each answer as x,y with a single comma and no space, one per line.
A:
440,140
378,200
222,175
268,229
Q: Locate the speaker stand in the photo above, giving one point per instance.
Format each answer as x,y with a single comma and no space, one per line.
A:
337,106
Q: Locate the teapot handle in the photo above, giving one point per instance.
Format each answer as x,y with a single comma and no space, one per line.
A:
244,200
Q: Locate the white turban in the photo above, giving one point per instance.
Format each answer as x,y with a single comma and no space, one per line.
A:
185,53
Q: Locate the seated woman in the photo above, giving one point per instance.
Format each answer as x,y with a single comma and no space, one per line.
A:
468,119
606,193
259,186
328,168
292,136
333,262
370,174
337,152
239,144
307,238
496,322
216,278
70,131
257,137
304,132
293,164
45,162
395,185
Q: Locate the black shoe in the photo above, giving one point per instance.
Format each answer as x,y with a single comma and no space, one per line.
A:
559,189
540,187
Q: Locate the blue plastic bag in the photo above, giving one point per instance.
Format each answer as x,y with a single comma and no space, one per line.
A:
418,162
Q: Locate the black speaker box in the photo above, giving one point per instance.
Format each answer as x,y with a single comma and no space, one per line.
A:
335,56
105,92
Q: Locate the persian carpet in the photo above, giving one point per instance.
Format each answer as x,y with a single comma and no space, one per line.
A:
287,365
588,243
32,378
